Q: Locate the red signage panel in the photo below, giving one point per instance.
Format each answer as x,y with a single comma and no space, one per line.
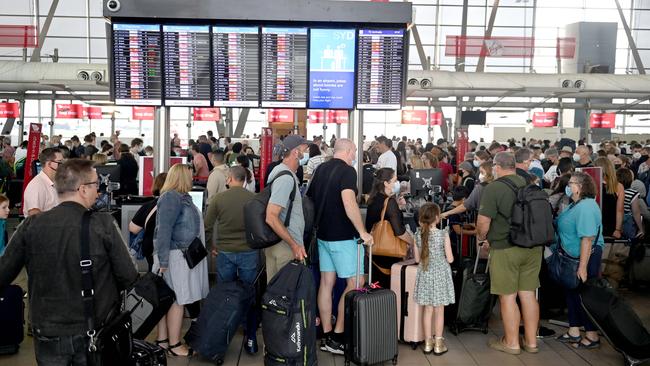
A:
414,117
475,46
436,118
602,120
33,148
462,145
280,115
333,116
142,113
9,110
545,119
20,36
565,47
206,114
92,112
69,111
266,153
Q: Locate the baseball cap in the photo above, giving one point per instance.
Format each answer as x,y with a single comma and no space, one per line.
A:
293,141
567,149
466,166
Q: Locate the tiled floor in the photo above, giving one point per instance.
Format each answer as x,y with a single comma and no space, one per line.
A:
468,348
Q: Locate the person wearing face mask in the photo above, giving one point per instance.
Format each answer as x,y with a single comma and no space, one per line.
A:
582,157
40,194
580,233
553,159
466,172
385,193
473,201
334,188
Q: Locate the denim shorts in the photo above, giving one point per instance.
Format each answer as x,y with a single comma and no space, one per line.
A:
339,257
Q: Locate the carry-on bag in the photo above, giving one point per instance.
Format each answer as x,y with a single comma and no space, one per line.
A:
289,317
614,260
639,264
616,320
148,300
370,322
474,301
12,315
409,313
147,354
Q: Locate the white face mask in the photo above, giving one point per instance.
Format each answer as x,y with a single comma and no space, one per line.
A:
636,155
542,156
494,173
576,157
481,177
396,187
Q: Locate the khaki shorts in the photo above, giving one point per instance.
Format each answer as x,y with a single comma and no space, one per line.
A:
514,269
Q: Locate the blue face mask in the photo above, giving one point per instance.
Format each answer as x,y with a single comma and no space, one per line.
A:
304,160
568,191
354,163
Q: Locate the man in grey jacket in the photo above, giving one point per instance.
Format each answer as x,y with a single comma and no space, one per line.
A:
48,244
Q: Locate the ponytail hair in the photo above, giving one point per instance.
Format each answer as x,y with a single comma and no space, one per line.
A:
429,214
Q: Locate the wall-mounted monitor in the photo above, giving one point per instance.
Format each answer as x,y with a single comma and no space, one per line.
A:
472,117
186,65
284,67
381,68
236,66
331,68
137,74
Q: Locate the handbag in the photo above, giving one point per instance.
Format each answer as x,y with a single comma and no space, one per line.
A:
111,344
563,268
195,253
385,242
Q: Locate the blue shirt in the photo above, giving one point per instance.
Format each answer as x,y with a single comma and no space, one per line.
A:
580,220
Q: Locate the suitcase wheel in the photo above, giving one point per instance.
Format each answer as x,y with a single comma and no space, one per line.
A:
484,330
347,363
453,328
414,345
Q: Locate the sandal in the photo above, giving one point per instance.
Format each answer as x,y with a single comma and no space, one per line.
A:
590,345
190,352
527,348
568,338
159,343
497,344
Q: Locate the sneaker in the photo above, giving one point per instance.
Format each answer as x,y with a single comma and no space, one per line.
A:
322,345
251,346
334,346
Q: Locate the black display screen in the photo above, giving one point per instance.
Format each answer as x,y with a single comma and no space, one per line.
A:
236,65
284,67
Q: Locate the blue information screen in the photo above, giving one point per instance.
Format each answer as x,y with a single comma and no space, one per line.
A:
331,68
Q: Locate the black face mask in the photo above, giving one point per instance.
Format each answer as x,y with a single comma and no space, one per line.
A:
617,166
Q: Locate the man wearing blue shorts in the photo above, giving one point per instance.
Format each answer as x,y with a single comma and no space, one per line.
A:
334,187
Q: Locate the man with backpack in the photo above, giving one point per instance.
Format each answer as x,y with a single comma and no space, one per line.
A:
295,152
514,270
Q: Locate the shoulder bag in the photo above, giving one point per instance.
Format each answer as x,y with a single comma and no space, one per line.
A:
111,344
385,242
312,250
196,252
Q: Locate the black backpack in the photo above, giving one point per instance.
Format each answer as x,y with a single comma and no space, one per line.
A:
531,220
259,234
288,317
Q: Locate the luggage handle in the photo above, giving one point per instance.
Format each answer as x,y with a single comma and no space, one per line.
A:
478,252
359,244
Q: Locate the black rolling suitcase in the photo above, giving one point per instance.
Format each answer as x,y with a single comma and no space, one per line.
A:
616,320
148,300
474,300
147,354
370,323
12,315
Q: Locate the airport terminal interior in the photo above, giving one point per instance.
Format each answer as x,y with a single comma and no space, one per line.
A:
444,96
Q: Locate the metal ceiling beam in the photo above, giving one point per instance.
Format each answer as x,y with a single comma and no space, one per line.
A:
630,40
241,123
36,55
528,105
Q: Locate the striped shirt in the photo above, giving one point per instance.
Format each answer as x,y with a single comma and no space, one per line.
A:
630,196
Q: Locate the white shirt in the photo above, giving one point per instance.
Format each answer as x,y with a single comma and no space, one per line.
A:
387,160
551,174
41,194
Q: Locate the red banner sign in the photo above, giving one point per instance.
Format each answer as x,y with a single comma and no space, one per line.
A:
142,113
436,118
544,119
206,114
33,148
145,173
69,111
565,47
333,116
266,153
21,36
280,115
602,120
475,46
93,112
9,110
419,117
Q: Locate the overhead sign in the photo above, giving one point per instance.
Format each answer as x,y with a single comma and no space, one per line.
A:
92,112
333,116
419,117
33,147
436,118
331,68
602,120
545,119
9,110
206,114
280,115
69,111
475,46
142,113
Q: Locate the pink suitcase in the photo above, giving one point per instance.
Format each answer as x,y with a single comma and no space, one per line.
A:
409,314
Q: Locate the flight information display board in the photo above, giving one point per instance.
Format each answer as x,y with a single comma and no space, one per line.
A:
137,76
284,67
380,69
331,68
236,65
186,65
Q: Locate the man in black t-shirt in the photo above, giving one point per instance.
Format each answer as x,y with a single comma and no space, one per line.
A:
334,187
